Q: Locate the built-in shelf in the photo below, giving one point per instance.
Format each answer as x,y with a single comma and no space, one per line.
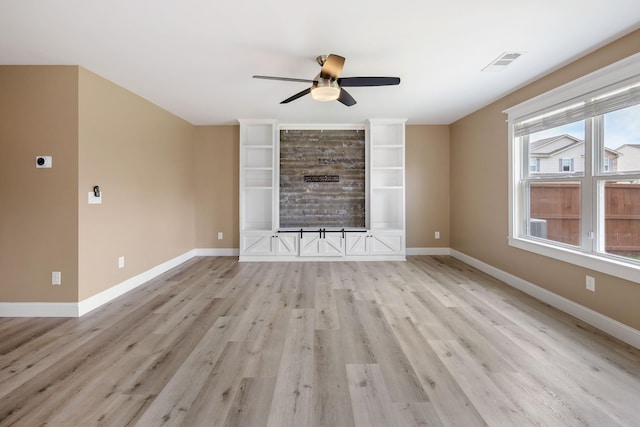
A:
384,236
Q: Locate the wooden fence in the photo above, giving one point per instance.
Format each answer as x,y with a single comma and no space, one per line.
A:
559,205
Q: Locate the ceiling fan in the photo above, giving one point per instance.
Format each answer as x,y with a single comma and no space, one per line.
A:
328,86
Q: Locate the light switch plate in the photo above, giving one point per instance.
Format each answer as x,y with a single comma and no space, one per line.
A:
93,200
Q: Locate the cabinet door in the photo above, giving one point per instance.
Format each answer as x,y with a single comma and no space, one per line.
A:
257,244
386,244
286,244
310,244
330,244
333,245
356,244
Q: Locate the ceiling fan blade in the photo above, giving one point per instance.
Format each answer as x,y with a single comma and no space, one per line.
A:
296,96
332,67
368,81
285,79
345,98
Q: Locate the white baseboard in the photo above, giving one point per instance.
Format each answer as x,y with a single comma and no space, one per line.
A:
38,309
122,288
428,251
611,326
72,309
217,252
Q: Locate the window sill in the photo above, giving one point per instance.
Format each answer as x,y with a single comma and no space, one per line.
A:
610,266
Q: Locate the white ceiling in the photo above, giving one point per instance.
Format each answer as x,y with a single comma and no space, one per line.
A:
195,58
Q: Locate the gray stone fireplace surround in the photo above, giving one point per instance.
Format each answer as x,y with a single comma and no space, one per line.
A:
322,178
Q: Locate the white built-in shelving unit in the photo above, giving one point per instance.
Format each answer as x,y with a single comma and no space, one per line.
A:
384,236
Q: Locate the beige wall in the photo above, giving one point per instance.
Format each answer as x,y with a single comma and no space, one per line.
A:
479,209
427,186
217,186
142,158
38,207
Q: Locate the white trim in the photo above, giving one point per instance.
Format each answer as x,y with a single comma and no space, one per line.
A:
321,126
611,326
428,251
122,288
72,309
617,72
216,252
592,261
342,258
38,309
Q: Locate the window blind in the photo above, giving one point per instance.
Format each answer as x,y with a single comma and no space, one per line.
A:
580,110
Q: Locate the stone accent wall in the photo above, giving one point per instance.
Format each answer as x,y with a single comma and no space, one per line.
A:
320,156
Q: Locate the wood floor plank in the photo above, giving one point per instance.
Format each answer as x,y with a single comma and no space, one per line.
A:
331,400
417,414
68,375
185,385
449,400
370,398
19,336
304,292
488,399
402,382
252,403
540,408
325,299
123,410
465,333
175,348
214,400
292,397
550,370
355,342
265,351
217,342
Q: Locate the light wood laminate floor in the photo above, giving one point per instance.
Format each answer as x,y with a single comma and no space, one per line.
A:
430,341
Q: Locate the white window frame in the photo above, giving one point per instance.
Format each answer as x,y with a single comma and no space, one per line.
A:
587,255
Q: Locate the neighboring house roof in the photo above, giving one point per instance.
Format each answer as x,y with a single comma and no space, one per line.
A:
628,145
548,147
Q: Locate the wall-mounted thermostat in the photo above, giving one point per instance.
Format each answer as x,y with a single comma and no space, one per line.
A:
44,162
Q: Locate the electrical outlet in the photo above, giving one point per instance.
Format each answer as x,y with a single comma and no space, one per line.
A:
121,262
56,278
437,234
591,284
219,235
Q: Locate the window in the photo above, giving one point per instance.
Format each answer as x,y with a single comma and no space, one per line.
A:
575,172
566,165
534,165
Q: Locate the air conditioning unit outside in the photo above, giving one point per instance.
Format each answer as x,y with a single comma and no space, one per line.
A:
538,228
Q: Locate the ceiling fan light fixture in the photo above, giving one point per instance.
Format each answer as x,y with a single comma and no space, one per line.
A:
325,90
328,85
327,93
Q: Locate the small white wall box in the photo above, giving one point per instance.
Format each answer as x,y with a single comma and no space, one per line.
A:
44,162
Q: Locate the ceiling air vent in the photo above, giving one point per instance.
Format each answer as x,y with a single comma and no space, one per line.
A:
501,62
